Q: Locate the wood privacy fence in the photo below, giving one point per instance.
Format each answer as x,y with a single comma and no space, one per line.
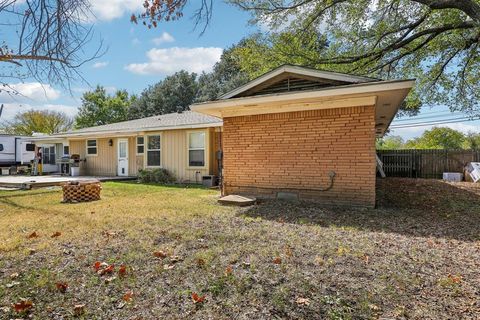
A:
430,164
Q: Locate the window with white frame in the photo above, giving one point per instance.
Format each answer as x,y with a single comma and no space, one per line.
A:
140,145
196,149
153,151
48,155
91,147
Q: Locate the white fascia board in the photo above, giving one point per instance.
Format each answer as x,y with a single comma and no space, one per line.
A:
348,90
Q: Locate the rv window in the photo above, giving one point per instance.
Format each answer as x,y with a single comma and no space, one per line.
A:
30,147
1,147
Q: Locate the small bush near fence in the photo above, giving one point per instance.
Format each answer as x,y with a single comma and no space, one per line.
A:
156,176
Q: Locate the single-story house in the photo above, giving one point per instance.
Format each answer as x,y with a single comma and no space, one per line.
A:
294,132
302,133
183,143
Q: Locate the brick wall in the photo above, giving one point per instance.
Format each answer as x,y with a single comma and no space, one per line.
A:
294,152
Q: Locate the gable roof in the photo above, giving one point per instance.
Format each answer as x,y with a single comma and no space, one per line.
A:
273,93
294,78
170,121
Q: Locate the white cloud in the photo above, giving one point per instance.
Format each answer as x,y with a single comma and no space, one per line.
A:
28,91
170,60
100,64
112,9
11,109
165,37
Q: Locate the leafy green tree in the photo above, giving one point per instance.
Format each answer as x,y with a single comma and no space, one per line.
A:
226,76
438,138
34,121
175,93
435,41
472,141
100,108
390,143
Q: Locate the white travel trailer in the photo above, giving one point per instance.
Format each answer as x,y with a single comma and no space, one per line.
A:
15,151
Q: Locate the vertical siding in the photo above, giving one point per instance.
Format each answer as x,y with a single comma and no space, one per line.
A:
174,155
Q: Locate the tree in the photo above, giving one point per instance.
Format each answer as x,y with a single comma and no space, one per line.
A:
46,41
435,41
100,108
175,93
438,138
226,76
47,122
390,143
472,141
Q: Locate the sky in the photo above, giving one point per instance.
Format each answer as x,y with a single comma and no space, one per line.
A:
136,57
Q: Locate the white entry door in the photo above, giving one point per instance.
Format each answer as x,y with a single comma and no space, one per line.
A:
122,157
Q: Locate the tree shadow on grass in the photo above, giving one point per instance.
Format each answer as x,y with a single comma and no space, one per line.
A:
414,207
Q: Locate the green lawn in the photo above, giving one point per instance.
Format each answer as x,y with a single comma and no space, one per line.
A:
416,256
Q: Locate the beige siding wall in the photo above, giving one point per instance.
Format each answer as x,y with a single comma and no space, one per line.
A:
174,155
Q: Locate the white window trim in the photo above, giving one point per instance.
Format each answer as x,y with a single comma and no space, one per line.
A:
146,149
137,145
205,149
86,148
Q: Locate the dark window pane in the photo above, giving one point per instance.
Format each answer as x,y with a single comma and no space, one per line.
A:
66,150
196,158
140,149
154,142
140,140
153,158
30,147
92,143
1,147
92,150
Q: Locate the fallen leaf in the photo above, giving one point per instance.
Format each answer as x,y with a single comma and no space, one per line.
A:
14,275
122,271
109,269
128,296
168,266
61,286
175,259
56,234
110,279
32,235
228,271
366,258
160,254
455,278
22,306
196,298
78,309
200,262
98,265
288,251
302,301
32,251
277,260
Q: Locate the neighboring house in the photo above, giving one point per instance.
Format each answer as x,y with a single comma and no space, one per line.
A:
291,133
183,143
301,133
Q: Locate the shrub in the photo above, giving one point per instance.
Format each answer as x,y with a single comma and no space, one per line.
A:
155,175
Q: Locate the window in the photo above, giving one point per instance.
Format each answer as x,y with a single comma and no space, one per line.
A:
48,155
140,145
196,149
91,147
1,147
153,151
66,150
30,147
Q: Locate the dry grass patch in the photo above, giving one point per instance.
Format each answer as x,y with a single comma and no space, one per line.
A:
184,256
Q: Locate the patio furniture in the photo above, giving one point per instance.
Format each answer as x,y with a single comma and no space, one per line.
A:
81,191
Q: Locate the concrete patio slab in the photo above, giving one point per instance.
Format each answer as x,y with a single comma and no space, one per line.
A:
236,200
29,182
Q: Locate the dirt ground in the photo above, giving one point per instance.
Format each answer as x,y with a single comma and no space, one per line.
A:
416,256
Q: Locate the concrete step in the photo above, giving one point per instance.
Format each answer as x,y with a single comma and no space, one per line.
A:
236,200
